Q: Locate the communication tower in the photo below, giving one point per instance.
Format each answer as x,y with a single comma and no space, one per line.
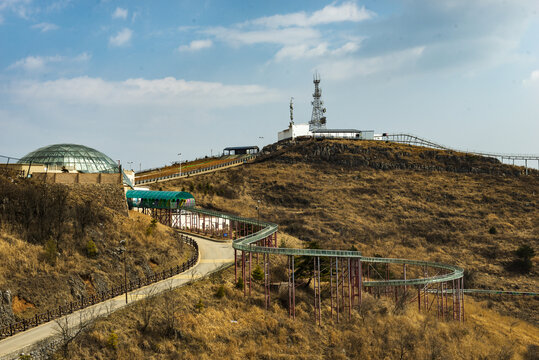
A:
291,111
318,118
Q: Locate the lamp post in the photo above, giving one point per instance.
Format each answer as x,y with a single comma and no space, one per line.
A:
130,165
258,213
122,250
180,156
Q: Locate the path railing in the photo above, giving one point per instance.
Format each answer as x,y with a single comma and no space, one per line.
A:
193,172
87,301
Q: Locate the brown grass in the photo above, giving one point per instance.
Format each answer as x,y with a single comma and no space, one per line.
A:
26,271
432,215
235,327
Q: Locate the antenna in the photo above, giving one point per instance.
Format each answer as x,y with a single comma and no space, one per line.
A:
318,119
291,111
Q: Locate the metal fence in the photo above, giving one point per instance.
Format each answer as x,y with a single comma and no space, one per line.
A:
192,172
87,301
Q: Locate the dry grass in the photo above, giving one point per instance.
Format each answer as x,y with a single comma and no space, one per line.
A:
432,215
26,269
235,327
411,213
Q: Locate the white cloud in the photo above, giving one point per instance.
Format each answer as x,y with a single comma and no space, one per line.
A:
122,38
44,27
303,51
21,8
196,45
297,33
391,62
40,63
348,11
120,13
288,36
168,92
533,79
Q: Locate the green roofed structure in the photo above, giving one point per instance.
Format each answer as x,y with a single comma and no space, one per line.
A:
159,199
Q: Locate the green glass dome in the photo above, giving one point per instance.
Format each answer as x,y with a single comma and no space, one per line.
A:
72,156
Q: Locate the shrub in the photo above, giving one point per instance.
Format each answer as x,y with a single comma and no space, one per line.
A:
91,248
258,274
199,306
220,293
112,340
51,251
523,262
151,227
239,284
492,230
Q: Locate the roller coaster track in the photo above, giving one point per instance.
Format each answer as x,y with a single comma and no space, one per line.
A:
409,139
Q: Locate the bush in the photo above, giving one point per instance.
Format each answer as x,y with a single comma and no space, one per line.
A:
239,284
220,293
91,249
112,340
258,274
51,251
151,227
199,306
492,230
523,263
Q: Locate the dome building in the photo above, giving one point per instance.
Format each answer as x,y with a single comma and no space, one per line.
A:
71,157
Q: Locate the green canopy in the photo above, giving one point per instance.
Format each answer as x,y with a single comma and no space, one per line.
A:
159,199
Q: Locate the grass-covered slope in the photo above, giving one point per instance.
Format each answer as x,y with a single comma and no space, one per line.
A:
465,210
424,210
58,243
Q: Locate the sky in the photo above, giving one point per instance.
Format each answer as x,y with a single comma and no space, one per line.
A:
143,81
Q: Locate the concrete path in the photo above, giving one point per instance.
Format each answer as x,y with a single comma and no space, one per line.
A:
213,256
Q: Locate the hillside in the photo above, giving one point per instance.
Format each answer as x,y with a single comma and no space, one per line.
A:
395,201
469,211
59,243
201,321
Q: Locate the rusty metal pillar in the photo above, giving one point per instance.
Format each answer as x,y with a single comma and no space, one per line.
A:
250,273
462,292
291,288
235,266
243,272
331,285
349,290
267,279
360,284
317,297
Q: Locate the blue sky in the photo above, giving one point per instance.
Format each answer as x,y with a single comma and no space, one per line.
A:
143,81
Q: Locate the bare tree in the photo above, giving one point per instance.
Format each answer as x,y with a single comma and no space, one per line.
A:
68,328
147,307
170,308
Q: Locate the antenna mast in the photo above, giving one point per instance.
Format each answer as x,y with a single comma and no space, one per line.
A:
291,111
318,118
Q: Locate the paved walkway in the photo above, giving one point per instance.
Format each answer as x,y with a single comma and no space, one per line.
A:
213,256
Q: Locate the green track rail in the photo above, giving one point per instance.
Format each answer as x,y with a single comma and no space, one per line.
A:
248,243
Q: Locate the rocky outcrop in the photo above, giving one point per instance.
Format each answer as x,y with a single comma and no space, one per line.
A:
6,308
384,156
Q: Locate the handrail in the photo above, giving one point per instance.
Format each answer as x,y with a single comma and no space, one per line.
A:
416,140
247,243
192,172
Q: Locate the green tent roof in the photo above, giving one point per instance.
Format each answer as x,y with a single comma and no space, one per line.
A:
158,195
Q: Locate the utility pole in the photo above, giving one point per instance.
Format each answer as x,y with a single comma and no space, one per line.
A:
258,213
180,156
123,251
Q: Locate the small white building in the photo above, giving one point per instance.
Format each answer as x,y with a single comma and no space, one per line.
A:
299,130
294,131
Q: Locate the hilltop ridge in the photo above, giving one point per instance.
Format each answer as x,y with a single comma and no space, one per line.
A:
383,155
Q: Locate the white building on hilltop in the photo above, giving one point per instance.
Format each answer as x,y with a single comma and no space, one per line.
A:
317,126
